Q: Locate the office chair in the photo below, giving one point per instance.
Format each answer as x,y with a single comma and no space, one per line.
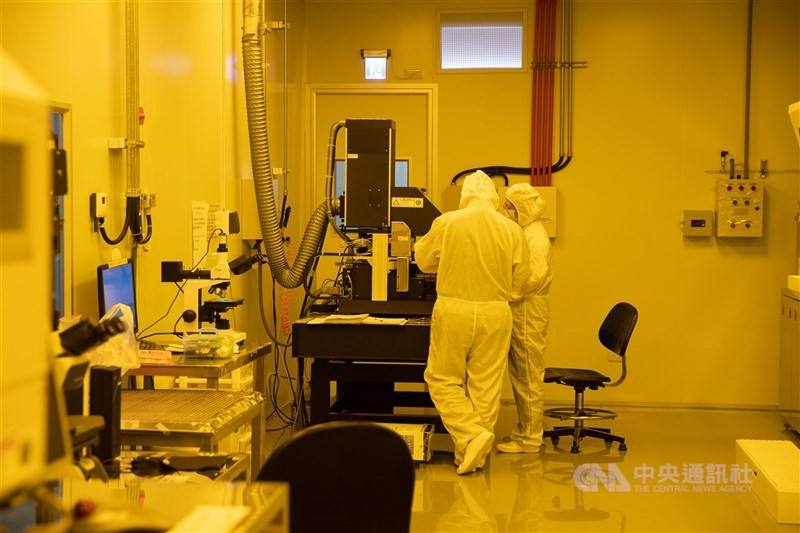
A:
345,477
615,332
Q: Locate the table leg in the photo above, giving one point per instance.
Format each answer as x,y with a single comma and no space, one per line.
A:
259,377
256,442
301,381
212,383
320,392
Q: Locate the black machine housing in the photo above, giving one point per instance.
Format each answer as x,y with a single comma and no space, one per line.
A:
417,301
370,205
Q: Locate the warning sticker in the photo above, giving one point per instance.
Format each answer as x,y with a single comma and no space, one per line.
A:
415,203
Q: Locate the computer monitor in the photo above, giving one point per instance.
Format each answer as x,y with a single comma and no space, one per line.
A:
116,285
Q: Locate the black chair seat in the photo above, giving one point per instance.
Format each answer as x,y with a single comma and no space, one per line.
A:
580,377
345,477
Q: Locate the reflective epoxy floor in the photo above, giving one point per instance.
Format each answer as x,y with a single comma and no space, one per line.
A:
679,474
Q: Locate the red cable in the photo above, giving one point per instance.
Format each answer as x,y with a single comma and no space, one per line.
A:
542,94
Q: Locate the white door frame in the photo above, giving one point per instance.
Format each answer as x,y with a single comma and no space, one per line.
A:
429,90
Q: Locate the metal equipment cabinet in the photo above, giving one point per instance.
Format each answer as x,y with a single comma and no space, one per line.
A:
789,377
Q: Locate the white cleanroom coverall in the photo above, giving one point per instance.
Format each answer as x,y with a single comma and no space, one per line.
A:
480,258
531,317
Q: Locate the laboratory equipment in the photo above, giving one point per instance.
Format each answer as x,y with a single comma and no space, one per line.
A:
207,344
199,309
33,439
790,354
773,468
116,284
740,208
417,437
378,276
697,223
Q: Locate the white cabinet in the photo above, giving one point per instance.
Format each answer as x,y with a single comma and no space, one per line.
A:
789,377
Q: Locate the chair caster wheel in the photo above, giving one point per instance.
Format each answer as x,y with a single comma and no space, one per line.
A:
608,442
575,448
622,447
554,440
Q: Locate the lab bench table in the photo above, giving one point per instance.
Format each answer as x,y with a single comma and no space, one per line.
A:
239,468
162,505
213,369
365,361
192,418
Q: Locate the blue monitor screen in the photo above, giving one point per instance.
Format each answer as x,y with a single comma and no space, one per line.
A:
117,287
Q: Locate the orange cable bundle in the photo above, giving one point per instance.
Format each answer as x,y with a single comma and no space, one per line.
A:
285,296
544,48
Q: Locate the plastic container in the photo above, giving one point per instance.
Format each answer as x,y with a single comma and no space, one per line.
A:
207,345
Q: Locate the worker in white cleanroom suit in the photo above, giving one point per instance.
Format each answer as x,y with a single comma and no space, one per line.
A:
481,259
531,315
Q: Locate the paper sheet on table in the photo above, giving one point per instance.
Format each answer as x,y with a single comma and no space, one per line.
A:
211,518
359,319
383,321
339,319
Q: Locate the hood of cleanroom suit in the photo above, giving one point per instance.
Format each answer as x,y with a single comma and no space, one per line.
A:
478,187
528,202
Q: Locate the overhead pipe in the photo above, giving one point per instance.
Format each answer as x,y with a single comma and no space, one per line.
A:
746,165
132,221
542,99
567,67
541,165
255,97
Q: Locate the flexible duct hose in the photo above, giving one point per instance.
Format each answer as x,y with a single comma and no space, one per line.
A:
285,275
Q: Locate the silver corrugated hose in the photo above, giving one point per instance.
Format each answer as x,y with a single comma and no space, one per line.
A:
255,96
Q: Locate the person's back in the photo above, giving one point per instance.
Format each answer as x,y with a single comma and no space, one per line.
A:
481,259
474,250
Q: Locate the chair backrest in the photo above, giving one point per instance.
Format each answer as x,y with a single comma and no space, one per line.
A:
345,477
617,328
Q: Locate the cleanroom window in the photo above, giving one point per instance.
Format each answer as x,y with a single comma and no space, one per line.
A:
469,41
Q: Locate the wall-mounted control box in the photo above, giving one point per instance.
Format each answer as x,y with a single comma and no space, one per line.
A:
698,223
740,208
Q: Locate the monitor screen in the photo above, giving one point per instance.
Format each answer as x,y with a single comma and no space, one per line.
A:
115,285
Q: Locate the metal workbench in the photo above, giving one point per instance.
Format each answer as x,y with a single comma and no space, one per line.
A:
366,361
191,418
